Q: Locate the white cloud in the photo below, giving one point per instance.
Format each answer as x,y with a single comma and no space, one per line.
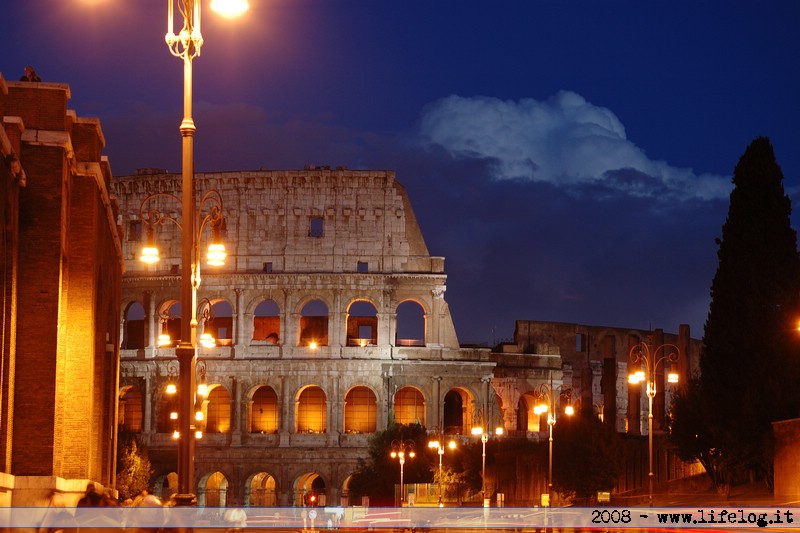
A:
564,140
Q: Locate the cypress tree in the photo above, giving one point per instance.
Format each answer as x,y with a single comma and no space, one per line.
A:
749,366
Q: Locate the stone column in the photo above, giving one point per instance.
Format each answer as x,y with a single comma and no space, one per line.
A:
239,334
437,403
152,325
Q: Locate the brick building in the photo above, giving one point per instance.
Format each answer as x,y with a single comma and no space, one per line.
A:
62,269
331,320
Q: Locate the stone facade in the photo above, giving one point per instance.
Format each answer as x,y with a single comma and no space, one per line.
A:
342,243
331,321
62,272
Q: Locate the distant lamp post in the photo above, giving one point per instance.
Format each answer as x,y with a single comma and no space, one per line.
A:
400,450
439,446
646,362
484,438
547,397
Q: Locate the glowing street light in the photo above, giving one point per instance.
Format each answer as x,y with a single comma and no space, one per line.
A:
547,397
648,361
439,445
186,45
401,450
484,438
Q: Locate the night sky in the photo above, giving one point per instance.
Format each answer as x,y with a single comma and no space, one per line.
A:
571,160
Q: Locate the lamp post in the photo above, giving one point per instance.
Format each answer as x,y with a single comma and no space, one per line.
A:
186,46
484,438
547,396
400,450
439,446
648,361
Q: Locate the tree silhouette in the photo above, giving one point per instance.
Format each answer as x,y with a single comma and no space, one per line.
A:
748,368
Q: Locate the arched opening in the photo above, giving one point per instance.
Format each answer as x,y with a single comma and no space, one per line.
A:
344,500
267,322
314,324
133,331
312,410
362,324
214,491
260,491
220,325
165,486
170,321
310,491
264,412
453,413
409,406
410,324
218,410
166,411
130,408
527,420
360,410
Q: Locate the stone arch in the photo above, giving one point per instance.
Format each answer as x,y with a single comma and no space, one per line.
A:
165,485
220,324
217,410
314,319
527,420
267,321
410,406
133,330
360,410
412,323
261,490
265,410
169,315
458,411
309,490
213,490
131,408
362,323
311,412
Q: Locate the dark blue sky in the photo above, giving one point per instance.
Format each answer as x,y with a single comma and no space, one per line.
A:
570,160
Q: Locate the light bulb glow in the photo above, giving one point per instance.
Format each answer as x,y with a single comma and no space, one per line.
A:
149,255
230,8
216,254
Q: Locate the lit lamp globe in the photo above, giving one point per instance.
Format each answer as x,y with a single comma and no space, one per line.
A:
230,8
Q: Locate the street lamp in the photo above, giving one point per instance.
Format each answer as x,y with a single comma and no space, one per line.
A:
186,46
484,438
400,450
439,446
547,397
648,361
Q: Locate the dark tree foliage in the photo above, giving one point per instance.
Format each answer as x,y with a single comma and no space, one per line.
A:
133,464
587,456
749,365
377,476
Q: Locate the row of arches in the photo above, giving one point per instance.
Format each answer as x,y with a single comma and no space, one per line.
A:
266,324
260,489
360,412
